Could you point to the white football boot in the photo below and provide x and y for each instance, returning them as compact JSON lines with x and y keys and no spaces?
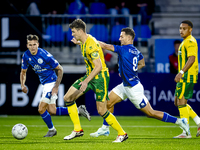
{"x":104,"y":130}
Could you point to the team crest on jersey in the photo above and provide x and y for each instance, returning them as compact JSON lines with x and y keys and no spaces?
{"x":40,"y":61}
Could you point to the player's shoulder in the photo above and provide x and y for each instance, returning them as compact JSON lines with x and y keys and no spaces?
{"x":190,"y":40}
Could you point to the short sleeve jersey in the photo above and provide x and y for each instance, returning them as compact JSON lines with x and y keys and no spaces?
{"x":128,"y":57}
{"x":91,"y":50}
{"x":188,"y":48}
{"x":43,"y":63}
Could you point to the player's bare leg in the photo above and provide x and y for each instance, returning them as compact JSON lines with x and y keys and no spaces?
{"x":47,"y":119}
{"x":70,"y":97}
{"x":104,"y":129}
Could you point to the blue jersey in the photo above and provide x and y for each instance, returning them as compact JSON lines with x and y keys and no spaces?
{"x":128,"y":58}
{"x":43,"y":63}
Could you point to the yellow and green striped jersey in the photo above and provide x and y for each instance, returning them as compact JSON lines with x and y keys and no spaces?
{"x":91,"y":50}
{"x":188,"y":48}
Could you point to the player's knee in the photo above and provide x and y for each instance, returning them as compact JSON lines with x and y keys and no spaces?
{"x":68,"y":98}
{"x":41,"y":110}
{"x":101,"y":112}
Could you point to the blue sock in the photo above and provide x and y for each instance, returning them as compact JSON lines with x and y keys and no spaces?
{"x":61,"y":111}
{"x":47,"y":119}
{"x":105,"y":123}
{"x":168,"y":118}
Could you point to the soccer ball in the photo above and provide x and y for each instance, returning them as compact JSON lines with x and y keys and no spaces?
{"x":19,"y":131}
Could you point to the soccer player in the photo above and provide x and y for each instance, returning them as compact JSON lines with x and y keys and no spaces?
{"x":44,"y":65}
{"x":96,"y":79}
{"x":187,"y":75}
{"x":130,"y":61}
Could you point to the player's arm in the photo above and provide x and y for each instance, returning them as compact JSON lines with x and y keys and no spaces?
{"x":141,"y":64}
{"x":109,"y":47}
{"x":95,"y":71}
{"x":189,"y":63}
{"x":23,"y":80}
{"x":59,"y":70}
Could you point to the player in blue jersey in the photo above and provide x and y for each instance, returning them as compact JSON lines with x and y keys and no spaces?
{"x":130,"y":61}
{"x":45,"y":65}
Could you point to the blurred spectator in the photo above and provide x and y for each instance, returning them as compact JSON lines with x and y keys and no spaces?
{"x":111,"y":60}
{"x":173,"y":58}
{"x":33,"y":8}
{"x":145,"y":8}
{"x":77,"y":7}
{"x":119,"y":7}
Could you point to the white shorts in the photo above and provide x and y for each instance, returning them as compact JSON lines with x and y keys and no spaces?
{"x":46,"y":94}
{"x":135,"y":94}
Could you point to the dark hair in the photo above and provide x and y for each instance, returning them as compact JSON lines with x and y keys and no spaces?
{"x":129,"y":31}
{"x":78,"y":24}
{"x":188,"y":22}
{"x":177,"y":42}
{"x":31,"y":37}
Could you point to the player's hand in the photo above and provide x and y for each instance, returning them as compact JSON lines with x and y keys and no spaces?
{"x":54,"y":91}
{"x":83,"y":86}
{"x":178,"y":77}
{"x":75,"y":41}
{"x":25,"y":89}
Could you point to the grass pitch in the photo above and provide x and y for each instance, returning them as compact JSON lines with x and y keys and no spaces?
{"x":144,"y":134}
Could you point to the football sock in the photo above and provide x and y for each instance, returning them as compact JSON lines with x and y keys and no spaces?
{"x":184,"y":112}
{"x":47,"y":119}
{"x":112,"y":121}
{"x":191,"y":111}
{"x":193,"y":115}
{"x":73,"y":113}
{"x":105,"y":123}
{"x":168,"y":118}
{"x":61,"y":111}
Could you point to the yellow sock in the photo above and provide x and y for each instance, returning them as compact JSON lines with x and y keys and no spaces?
{"x":73,"y":113}
{"x":112,"y":121}
{"x":191,"y":112}
{"x":184,"y":112}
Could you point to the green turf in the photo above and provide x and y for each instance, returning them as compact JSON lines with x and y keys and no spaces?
{"x":144,"y":133}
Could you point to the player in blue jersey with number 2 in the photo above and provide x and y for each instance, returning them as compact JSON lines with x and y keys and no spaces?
{"x":130,"y":61}
{"x":44,"y":65}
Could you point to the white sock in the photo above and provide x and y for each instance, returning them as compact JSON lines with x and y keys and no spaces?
{"x":52,"y":128}
{"x":196,"y":120}
{"x":104,"y":126}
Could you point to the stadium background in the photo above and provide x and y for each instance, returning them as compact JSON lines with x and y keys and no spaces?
{"x":154,"y":39}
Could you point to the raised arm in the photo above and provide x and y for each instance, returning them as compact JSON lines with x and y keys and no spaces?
{"x":109,"y":47}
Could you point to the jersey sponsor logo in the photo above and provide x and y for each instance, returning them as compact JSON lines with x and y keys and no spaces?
{"x":37,"y":67}
{"x":40,"y":61}
{"x":99,"y":91}
{"x":133,"y":51}
{"x":29,"y":59}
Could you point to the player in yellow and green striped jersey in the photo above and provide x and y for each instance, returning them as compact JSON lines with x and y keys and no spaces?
{"x":96,"y":79}
{"x":187,"y":76}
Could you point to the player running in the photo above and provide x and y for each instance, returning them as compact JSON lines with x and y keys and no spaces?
{"x":130,"y":61}
{"x":96,"y":79}
{"x":44,"y":65}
